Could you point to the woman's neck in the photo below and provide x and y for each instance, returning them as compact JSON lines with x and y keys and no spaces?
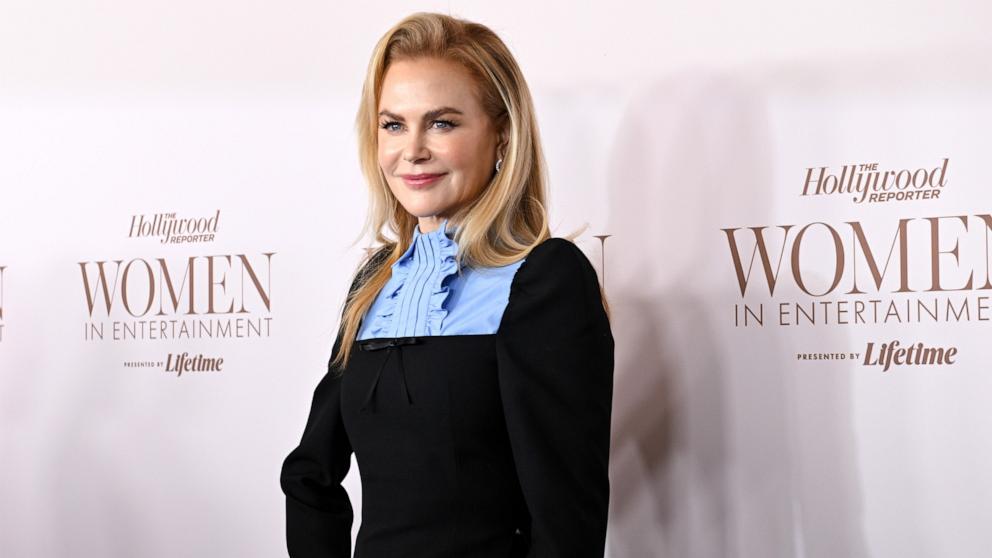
{"x":432,"y":223}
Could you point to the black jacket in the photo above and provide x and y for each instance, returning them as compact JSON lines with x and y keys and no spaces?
{"x":474,"y":446}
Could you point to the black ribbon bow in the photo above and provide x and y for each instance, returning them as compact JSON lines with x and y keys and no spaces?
{"x":376,"y":344}
{"x":390,"y":344}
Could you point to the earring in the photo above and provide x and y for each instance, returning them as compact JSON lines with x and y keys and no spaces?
{"x":499,"y":164}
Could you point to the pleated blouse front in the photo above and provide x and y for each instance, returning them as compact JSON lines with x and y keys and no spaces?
{"x":428,"y":294}
{"x":490,"y":442}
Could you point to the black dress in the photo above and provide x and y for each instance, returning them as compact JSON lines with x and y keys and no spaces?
{"x":481,"y":446}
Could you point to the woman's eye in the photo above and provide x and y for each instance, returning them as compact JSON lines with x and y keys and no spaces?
{"x":438,"y":124}
{"x":447,"y":124}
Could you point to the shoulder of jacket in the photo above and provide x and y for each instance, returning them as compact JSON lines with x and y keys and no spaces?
{"x":556,"y":282}
{"x":556,"y":263}
{"x":559,"y":252}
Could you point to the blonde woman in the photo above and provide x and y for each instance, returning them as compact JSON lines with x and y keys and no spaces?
{"x":472,"y":374}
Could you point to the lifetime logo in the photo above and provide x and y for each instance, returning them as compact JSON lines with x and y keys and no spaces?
{"x":866,"y":183}
{"x":914,"y":355}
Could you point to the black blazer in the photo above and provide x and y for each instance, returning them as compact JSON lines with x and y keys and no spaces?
{"x":477,"y":446}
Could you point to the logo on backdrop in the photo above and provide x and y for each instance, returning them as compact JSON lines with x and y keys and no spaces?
{"x":2,"y":270}
{"x":172,"y":298}
{"x":867,"y":183}
{"x":911,"y":270}
{"x":171,"y":229}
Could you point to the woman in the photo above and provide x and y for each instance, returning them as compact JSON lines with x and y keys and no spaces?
{"x":472,"y":374}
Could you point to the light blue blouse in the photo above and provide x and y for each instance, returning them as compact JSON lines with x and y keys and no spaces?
{"x":427,"y":296}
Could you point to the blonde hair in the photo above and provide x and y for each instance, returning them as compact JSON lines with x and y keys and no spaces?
{"x":509,"y":217}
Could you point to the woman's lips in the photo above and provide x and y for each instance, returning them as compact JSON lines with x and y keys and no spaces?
{"x":421,"y":180}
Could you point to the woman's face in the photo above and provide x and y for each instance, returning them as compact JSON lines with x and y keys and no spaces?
{"x":437,"y":147}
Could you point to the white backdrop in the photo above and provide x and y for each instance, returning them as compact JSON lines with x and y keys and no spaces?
{"x":663,"y":125}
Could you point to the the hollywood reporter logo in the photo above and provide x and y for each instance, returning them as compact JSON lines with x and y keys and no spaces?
{"x":173,"y":229}
{"x":865,"y":182}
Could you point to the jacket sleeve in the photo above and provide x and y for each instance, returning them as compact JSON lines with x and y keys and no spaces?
{"x":555,"y":359}
{"x":318,"y":510}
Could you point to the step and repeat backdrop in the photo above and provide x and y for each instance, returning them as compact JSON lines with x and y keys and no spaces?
{"x":791,"y":218}
{"x":803,"y":284}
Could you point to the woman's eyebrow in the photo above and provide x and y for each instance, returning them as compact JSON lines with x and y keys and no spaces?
{"x":429,"y":115}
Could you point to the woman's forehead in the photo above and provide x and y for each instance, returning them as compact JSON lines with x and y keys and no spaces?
{"x":422,"y":85}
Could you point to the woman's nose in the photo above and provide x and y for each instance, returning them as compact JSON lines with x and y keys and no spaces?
{"x":416,"y":148}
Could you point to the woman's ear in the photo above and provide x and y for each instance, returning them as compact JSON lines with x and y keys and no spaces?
{"x":503,"y":143}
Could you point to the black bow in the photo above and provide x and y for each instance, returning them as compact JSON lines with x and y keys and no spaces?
{"x":390,"y":343}
{"x":375,"y":344}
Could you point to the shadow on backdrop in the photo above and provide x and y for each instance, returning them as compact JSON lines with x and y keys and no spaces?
{"x":722,"y":445}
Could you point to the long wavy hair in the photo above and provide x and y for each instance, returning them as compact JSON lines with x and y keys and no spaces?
{"x":509,"y":217}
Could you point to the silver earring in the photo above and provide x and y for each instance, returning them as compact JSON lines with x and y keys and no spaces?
{"x":499,"y":164}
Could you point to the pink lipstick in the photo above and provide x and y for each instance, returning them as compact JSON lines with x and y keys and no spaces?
{"x":421,"y":180}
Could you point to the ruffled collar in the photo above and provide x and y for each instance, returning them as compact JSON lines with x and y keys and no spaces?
{"x":437,"y":245}
{"x":442,"y":232}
